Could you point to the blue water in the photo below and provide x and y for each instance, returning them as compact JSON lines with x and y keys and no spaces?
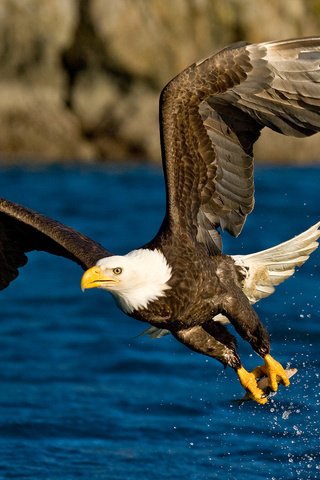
{"x":82,"y":396}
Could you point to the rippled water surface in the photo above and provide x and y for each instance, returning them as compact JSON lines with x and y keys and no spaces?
{"x":83,"y":396}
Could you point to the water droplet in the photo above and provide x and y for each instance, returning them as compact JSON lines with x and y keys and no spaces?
{"x":286,"y":414}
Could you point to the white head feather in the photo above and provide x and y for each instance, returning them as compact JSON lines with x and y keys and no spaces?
{"x":142,"y":276}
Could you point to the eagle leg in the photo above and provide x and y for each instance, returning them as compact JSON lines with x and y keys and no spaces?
{"x":274,"y":371}
{"x":249,"y":381}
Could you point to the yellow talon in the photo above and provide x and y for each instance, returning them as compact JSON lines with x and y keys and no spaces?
{"x":249,"y":382}
{"x":275,"y":372}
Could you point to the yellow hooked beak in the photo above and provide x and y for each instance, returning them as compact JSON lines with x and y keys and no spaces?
{"x":95,"y":278}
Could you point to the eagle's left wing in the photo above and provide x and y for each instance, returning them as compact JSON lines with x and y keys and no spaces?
{"x":211,"y":115}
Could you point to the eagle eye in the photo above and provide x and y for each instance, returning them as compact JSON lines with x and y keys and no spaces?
{"x":117,"y":270}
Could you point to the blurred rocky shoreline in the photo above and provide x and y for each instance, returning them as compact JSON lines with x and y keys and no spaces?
{"x":80,"y":79}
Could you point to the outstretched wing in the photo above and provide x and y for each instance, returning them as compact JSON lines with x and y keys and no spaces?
{"x":211,"y":115}
{"x":23,"y":230}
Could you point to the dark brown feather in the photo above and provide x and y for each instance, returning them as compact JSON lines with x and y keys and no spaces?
{"x":211,"y":115}
{"x":23,"y":230}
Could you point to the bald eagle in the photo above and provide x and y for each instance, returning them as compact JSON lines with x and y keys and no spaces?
{"x":180,"y":282}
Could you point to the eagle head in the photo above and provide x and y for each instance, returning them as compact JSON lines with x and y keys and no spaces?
{"x":134,"y":279}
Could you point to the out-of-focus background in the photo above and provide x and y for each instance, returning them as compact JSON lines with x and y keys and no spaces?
{"x":80,"y":79}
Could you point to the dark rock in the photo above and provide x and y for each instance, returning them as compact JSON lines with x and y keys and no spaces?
{"x":81,"y":79}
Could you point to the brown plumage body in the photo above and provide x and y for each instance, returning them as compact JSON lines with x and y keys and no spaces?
{"x":203,"y":286}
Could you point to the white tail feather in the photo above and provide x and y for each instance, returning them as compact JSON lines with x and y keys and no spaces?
{"x":265,"y":270}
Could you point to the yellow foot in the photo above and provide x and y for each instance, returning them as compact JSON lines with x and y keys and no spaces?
{"x":274,"y":371}
{"x":249,"y":382}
